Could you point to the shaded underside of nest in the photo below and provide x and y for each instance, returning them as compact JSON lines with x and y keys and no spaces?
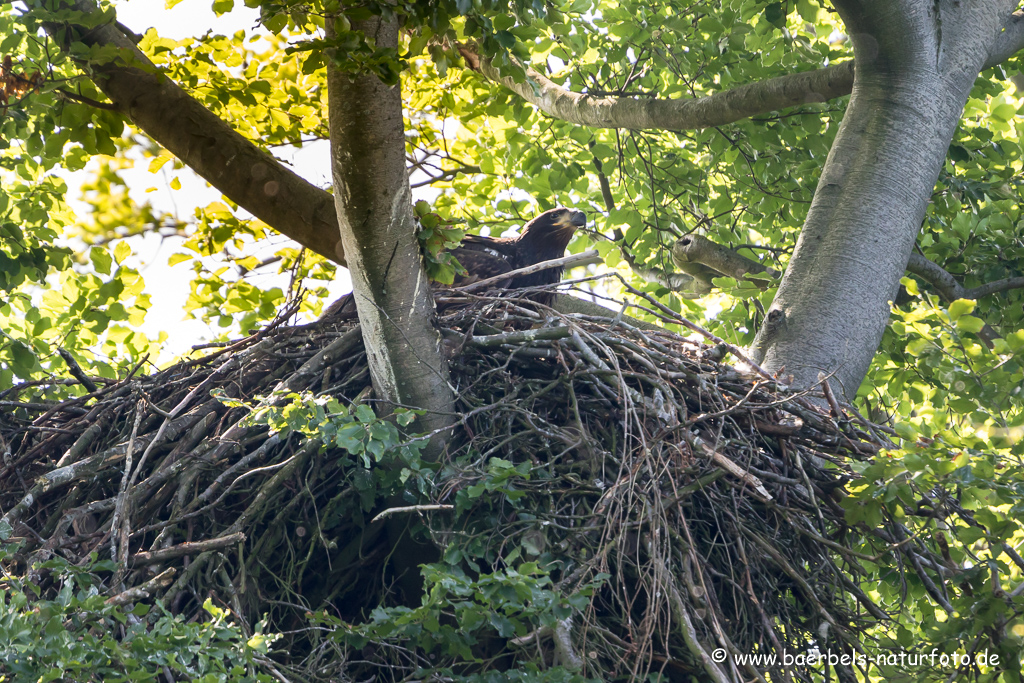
{"x":709,"y":497}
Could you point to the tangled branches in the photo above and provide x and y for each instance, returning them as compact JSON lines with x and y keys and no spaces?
{"x":693,"y":507}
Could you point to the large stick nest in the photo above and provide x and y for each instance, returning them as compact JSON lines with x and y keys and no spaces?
{"x":709,"y":496}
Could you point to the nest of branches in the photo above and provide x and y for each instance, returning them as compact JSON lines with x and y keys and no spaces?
{"x":700,"y":503}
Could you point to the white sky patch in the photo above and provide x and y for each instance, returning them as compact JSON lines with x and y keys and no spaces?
{"x":168,"y":286}
{"x":188,"y":19}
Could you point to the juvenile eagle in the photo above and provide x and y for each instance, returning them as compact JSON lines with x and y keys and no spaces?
{"x":544,"y":238}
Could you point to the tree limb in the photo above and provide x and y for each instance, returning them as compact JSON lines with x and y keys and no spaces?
{"x":378,"y":229}
{"x":937,"y":276}
{"x":1009,"y":41}
{"x":689,"y":114}
{"x":951,"y":290}
{"x":243,"y":172}
{"x":995,"y":287}
{"x":722,"y":108}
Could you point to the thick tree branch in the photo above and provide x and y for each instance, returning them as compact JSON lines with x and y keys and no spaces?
{"x":647,"y":113}
{"x":378,"y":230}
{"x":719,"y":109}
{"x":995,"y":287}
{"x":203,"y":141}
{"x":951,"y":290}
{"x":1009,"y":41}
{"x":937,"y":276}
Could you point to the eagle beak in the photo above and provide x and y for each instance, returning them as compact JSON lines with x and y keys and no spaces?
{"x":578,"y":219}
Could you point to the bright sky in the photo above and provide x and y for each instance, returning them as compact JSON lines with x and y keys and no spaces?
{"x":168,"y":286}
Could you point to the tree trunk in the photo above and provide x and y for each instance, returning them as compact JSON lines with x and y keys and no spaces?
{"x":378,"y":235}
{"x":915,"y":65}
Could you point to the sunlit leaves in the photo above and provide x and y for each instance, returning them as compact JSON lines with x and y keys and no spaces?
{"x":77,"y":635}
{"x":952,"y":393}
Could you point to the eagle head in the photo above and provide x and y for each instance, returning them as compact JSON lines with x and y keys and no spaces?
{"x":550,"y":232}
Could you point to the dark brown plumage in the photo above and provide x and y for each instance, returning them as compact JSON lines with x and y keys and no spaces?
{"x":542,"y":239}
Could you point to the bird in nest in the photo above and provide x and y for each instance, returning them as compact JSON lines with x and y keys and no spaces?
{"x":542,"y":239}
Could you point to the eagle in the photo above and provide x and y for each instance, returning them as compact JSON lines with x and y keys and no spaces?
{"x":542,"y":239}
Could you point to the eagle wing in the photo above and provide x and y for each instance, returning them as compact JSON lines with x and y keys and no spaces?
{"x":505,"y":247}
{"x":480,"y":263}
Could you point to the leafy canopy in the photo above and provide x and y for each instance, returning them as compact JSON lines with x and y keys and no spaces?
{"x":487,"y":161}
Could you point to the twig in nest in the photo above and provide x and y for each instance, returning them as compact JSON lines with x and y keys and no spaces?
{"x":182,"y":549}
{"x":76,"y":370}
{"x":410,"y":508}
{"x":145,"y":591}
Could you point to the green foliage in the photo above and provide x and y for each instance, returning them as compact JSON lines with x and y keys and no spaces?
{"x":459,"y":611}
{"x":78,"y":636}
{"x":437,"y":236}
{"x":956,"y":483}
{"x":385,"y":462}
{"x":67,"y":277}
{"x":357,"y":429}
{"x":467,"y":610}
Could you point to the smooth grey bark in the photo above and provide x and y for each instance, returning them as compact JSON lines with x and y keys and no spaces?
{"x":719,"y":109}
{"x":915,"y":65}
{"x":948,"y":287}
{"x":378,"y":235}
{"x":683,"y":114}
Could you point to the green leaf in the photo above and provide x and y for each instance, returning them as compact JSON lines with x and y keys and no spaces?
{"x":503,"y":22}
{"x":101,"y":260}
{"x":808,"y":10}
{"x":911,"y":285}
{"x":969,"y":323}
{"x":121,"y":251}
{"x":960,"y":307}
{"x":906,"y":431}
{"x":1004,"y":112}
{"x":775,"y":15}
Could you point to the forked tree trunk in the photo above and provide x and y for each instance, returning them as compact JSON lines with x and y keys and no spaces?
{"x":915,"y":65}
{"x":378,"y":235}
